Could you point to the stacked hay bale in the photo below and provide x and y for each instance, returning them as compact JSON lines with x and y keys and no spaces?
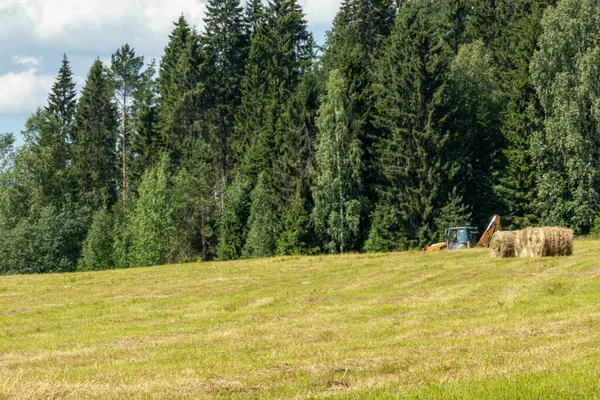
{"x":533,"y":242}
{"x":544,"y":242}
{"x":503,"y":244}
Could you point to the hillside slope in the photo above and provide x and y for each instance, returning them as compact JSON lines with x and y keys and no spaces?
{"x":414,"y":325}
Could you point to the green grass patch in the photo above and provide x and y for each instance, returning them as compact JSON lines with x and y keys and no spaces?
{"x":451,"y":325}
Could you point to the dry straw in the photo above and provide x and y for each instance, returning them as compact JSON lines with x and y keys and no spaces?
{"x":544,"y":242}
{"x":503,"y":244}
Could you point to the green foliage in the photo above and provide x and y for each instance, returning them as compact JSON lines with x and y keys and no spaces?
{"x":184,"y":126}
{"x":263,"y":223}
{"x":595,"y":231}
{"x":473,"y":123}
{"x":95,"y":161}
{"x":226,"y":46}
{"x":122,"y":233}
{"x":15,"y":195}
{"x":131,"y":84}
{"x":196,"y":209}
{"x":151,"y":226}
{"x":98,"y":247}
{"x":413,"y":117}
{"x":179,"y":40}
{"x":337,"y":190}
{"x":354,"y":44}
{"x":62,"y":100}
{"x":385,"y":232}
{"x":45,"y":159}
{"x":565,"y":152}
{"x":454,"y":214}
{"x":254,"y":15}
{"x":281,"y":50}
{"x":295,"y":238}
{"x":47,"y":242}
{"x":299,"y":131}
{"x":412,"y":107}
{"x":145,"y":146}
{"x":511,"y":31}
{"x":180,"y":104}
{"x":232,"y":222}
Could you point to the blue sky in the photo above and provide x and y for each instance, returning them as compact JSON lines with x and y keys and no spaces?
{"x":34,"y":34}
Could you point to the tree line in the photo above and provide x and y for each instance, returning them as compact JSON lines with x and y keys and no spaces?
{"x":247,"y":139}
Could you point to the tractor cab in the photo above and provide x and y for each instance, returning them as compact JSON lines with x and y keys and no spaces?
{"x":461,"y":238}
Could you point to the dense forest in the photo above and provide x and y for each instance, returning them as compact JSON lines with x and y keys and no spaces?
{"x":247,"y":139}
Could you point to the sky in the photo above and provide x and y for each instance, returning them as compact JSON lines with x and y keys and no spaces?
{"x":34,"y":35}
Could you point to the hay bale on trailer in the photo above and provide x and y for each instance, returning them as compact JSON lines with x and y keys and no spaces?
{"x":503,"y":244}
{"x":544,"y":242}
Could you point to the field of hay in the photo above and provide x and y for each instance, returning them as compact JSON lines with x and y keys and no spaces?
{"x":411,"y":325}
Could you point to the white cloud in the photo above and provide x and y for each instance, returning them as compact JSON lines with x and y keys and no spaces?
{"x":320,"y":12}
{"x":93,"y":25}
{"x":30,"y":62}
{"x":85,"y":29}
{"x":24,"y":91}
{"x":104,"y":25}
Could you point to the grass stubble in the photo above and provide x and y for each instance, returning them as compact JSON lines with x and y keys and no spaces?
{"x":407,"y":325}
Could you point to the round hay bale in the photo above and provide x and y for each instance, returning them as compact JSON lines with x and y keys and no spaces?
{"x":544,"y":242}
{"x":503,"y":244}
{"x":522,"y":245}
{"x":559,"y":242}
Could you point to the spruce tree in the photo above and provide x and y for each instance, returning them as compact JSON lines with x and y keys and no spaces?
{"x":295,"y":238}
{"x":95,"y":160}
{"x":234,"y":218}
{"x":185,"y":124}
{"x":523,"y":113}
{"x":473,"y":124}
{"x":454,"y":214}
{"x":263,"y":222}
{"x":297,"y":124}
{"x":416,"y":167}
{"x":179,"y":40}
{"x":62,"y":99}
{"x":226,"y":47}
{"x":145,"y":146}
{"x":281,"y":52}
{"x":254,"y":16}
{"x":178,"y":76}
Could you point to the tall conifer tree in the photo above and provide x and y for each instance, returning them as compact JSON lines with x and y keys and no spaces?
{"x":254,"y":15}
{"x":226,"y":46}
{"x":95,"y":158}
{"x":280,"y":54}
{"x":130,"y":85}
{"x":411,"y":109}
{"x":178,"y":73}
{"x":62,"y":99}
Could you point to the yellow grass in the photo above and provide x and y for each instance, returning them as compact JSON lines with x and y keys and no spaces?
{"x":411,"y":325}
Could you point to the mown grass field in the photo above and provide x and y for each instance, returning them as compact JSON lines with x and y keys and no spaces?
{"x":412,"y":325}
